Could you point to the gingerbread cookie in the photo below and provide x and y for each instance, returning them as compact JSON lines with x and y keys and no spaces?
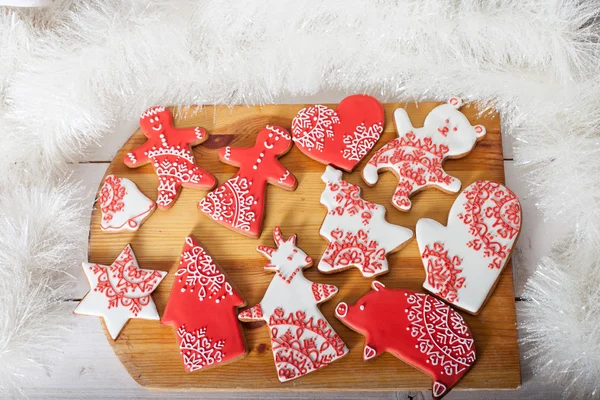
{"x":340,"y":137}
{"x":120,"y":291}
{"x":122,"y":204}
{"x":416,"y":156}
{"x":169,"y":150}
{"x":239,"y":203}
{"x":415,"y":327}
{"x":463,"y":260}
{"x":356,"y":229}
{"x":202,"y":309}
{"x":301,"y":338}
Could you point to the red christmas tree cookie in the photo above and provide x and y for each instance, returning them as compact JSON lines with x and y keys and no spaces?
{"x":415,"y":327}
{"x":202,"y":309}
{"x":301,"y":338}
{"x":169,"y":150}
{"x":239,"y":203}
{"x":340,"y":137}
{"x":120,"y":291}
{"x":417,"y":155}
{"x":464,"y":260}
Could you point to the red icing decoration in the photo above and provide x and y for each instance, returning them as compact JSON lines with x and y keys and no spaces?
{"x":239,"y":203}
{"x":491,"y":211}
{"x":419,"y":163}
{"x":415,"y":327}
{"x":169,"y":150}
{"x":203,"y":310}
{"x":342,"y":137}
{"x":354,"y":249}
{"x":111,"y":197}
{"x":443,"y":271}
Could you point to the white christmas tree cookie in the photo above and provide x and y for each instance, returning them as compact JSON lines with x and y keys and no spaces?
{"x":416,"y":156}
{"x":120,"y":291}
{"x":358,"y":234}
{"x":122,"y":204}
{"x":464,"y":260}
{"x":302,"y":339}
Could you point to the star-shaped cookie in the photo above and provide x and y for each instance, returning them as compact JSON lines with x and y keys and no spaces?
{"x":120,"y":291}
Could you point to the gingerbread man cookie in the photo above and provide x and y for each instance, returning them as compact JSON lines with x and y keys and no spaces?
{"x":415,"y":327}
{"x":202,"y":309}
{"x":122,"y":204}
{"x":356,"y":229}
{"x":340,"y":137}
{"x":463,"y":260}
{"x":169,"y":150}
{"x":120,"y":291}
{"x":417,"y":155}
{"x":301,"y":338}
{"x":239,"y":203}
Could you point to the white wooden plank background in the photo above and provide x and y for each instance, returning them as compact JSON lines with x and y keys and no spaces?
{"x":90,"y":369}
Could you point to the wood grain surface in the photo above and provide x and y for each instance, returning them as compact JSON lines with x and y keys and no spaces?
{"x":149,"y":351}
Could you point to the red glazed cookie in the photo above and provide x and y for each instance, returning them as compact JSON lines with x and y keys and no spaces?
{"x":302,"y":339}
{"x":340,"y":137}
{"x":169,"y":150}
{"x":415,"y":327}
{"x":239,"y":203}
{"x":202,"y":309}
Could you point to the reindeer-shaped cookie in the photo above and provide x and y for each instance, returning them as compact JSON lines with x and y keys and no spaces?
{"x":302,"y":339}
{"x":168,"y":149}
{"x":239,"y":203}
{"x":416,"y":156}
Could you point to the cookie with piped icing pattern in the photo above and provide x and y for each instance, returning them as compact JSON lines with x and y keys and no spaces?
{"x":122,"y":204}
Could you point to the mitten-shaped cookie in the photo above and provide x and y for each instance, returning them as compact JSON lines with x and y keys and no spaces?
{"x":416,"y":156}
{"x":415,"y":327}
{"x":169,"y":150}
{"x":463,"y":260}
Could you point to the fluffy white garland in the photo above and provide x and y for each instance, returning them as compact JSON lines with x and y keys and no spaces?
{"x":75,"y":70}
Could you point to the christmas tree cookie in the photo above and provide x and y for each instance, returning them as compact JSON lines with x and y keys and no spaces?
{"x":120,"y":291}
{"x":358,"y":234}
{"x":239,"y":203}
{"x":464,"y":259}
{"x":122,"y":204}
{"x":202,"y":309}
{"x":417,"y":155}
{"x":301,"y":338}
{"x":417,"y":328}
{"x":169,"y":150}
{"x":340,"y":137}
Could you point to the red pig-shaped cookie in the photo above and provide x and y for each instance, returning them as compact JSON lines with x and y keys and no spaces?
{"x":415,"y":327}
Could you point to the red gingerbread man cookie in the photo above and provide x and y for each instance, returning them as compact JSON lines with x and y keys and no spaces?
{"x":415,"y":327}
{"x":239,"y":203}
{"x":169,"y":150}
{"x":202,"y":309}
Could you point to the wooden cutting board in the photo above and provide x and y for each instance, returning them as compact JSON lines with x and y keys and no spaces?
{"x":149,"y":351}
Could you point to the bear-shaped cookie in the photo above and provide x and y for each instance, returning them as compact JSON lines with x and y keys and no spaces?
{"x":417,"y":155}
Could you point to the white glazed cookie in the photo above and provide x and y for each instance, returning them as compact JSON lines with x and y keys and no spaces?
{"x":120,"y":291}
{"x":122,"y":204}
{"x":356,"y":229}
{"x":302,"y":339}
{"x":464,"y":260}
{"x":416,"y":156}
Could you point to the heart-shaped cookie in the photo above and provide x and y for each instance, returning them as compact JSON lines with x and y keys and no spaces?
{"x":464,"y":260}
{"x":340,"y":137}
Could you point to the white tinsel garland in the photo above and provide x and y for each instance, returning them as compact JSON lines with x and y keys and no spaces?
{"x":538,"y":61}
